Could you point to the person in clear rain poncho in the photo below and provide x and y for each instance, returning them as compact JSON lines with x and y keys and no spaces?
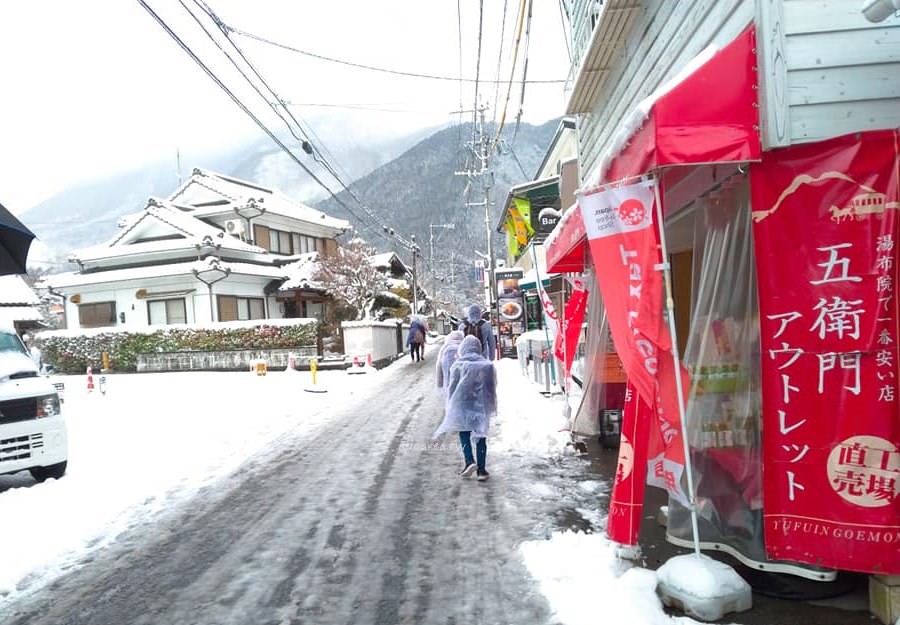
{"x":446,"y":357}
{"x":471,"y":402}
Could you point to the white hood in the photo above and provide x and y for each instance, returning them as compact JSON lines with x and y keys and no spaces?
{"x":15,"y":362}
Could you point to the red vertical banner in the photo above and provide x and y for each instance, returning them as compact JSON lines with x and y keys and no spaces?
{"x":624,"y":244}
{"x":567,"y":340}
{"x":827,"y":235}
{"x":627,"y":499}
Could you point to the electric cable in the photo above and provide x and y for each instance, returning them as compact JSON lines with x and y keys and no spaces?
{"x":562,"y":22}
{"x":321,"y":57}
{"x":244,"y":108}
{"x":524,"y":69}
{"x":511,"y":74}
{"x":314,"y":150}
{"x":500,"y":57}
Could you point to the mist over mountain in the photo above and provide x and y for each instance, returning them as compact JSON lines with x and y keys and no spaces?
{"x":421,"y":188}
{"x":408,"y":182}
{"x":88,"y":214}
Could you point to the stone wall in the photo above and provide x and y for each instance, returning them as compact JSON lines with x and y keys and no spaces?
{"x":226,"y":360}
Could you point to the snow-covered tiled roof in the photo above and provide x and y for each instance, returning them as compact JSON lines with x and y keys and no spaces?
{"x":386,"y":260}
{"x":71,"y":279}
{"x":300,"y":273}
{"x":229,"y":192}
{"x":192,"y":229}
{"x":10,"y":314}
{"x":15,"y":291}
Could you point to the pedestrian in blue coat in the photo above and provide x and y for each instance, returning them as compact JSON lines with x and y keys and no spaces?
{"x":416,"y":338}
{"x":474,"y":325}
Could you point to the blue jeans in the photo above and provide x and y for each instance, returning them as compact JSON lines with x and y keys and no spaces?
{"x":465,"y":440}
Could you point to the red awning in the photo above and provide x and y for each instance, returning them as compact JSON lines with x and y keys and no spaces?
{"x":708,"y":115}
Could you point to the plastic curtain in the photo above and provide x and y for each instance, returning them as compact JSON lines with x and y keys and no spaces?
{"x":722,"y":355}
{"x":590,"y":368}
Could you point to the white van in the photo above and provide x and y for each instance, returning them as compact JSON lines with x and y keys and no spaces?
{"x":32,"y":430}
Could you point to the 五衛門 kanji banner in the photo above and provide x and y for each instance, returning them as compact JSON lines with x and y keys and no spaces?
{"x":827,"y":235}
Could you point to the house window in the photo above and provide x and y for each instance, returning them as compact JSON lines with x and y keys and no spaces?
{"x":284,"y":242}
{"x":308,"y":244}
{"x":274,"y":246}
{"x":315,"y":310}
{"x":233,"y":308}
{"x":97,"y":315}
{"x":295,"y":241}
{"x":261,"y":236}
{"x":166,"y":311}
{"x":280,"y":242}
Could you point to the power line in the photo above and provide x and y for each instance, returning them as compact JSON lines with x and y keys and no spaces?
{"x":307,"y":146}
{"x":524,"y":69}
{"x":245,"y":109}
{"x":371,"y":67}
{"x":500,"y":57}
{"x":511,"y":73}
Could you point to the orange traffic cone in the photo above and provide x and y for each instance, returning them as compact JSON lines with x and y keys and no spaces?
{"x":90,"y":380}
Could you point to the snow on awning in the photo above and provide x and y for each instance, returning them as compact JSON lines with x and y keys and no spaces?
{"x":706,"y":114}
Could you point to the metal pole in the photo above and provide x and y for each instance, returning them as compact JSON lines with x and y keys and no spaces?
{"x":415,"y":284}
{"x":540,"y":287}
{"x":676,"y":360}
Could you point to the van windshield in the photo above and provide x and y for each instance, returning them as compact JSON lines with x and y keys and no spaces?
{"x":10,"y":342}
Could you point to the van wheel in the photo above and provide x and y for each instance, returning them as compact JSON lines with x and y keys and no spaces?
{"x":54,"y":471}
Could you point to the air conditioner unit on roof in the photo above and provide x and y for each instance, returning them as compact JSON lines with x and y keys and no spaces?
{"x":235,"y":227}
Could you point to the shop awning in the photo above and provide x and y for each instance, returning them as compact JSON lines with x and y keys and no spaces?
{"x":706,"y":114}
{"x":529,"y":280}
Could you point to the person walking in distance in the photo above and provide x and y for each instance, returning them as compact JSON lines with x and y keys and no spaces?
{"x":471,"y":403}
{"x":474,"y":325}
{"x":416,"y":338}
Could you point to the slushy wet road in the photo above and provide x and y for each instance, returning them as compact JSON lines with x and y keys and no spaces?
{"x":362,"y":522}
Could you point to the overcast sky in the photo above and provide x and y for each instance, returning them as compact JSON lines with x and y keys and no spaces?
{"x":95,"y":87}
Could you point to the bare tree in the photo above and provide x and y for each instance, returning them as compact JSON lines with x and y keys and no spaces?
{"x":350,"y":277}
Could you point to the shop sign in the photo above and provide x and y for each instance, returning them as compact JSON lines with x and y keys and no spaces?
{"x":827,"y":235}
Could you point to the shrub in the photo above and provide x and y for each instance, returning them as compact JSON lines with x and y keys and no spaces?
{"x":73,"y":353}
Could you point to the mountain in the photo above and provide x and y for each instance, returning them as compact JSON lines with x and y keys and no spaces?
{"x":421,"y":188}
{"x":409,"y":183}
{"x":88,"y":214}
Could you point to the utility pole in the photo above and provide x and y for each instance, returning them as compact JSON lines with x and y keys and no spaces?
{"x":434,"y":287}
{"x":481,"y":146}
{"x":415,"y":284}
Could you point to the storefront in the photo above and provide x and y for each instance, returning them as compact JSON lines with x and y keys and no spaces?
{"x":781,"y":272}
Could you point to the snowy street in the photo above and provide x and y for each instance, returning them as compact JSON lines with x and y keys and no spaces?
{"x":231,"y":498}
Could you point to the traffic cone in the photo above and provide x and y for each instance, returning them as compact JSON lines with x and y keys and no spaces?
{"x":90,"y":380}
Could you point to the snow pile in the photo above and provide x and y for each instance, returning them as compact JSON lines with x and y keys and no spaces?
{"x":581,"y":578}
{"x":530,"y":423}
{"x":700,"y":576}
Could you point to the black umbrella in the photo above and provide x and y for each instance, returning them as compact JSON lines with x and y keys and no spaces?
{"x":15,"y":239}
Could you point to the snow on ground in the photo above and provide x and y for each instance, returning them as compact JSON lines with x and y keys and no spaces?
{"x":154,"y":440}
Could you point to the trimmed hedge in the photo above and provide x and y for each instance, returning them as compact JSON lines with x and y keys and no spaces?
{"x":74,"y":353}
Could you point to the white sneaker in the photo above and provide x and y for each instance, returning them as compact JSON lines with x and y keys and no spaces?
{"x":468,"y":471}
